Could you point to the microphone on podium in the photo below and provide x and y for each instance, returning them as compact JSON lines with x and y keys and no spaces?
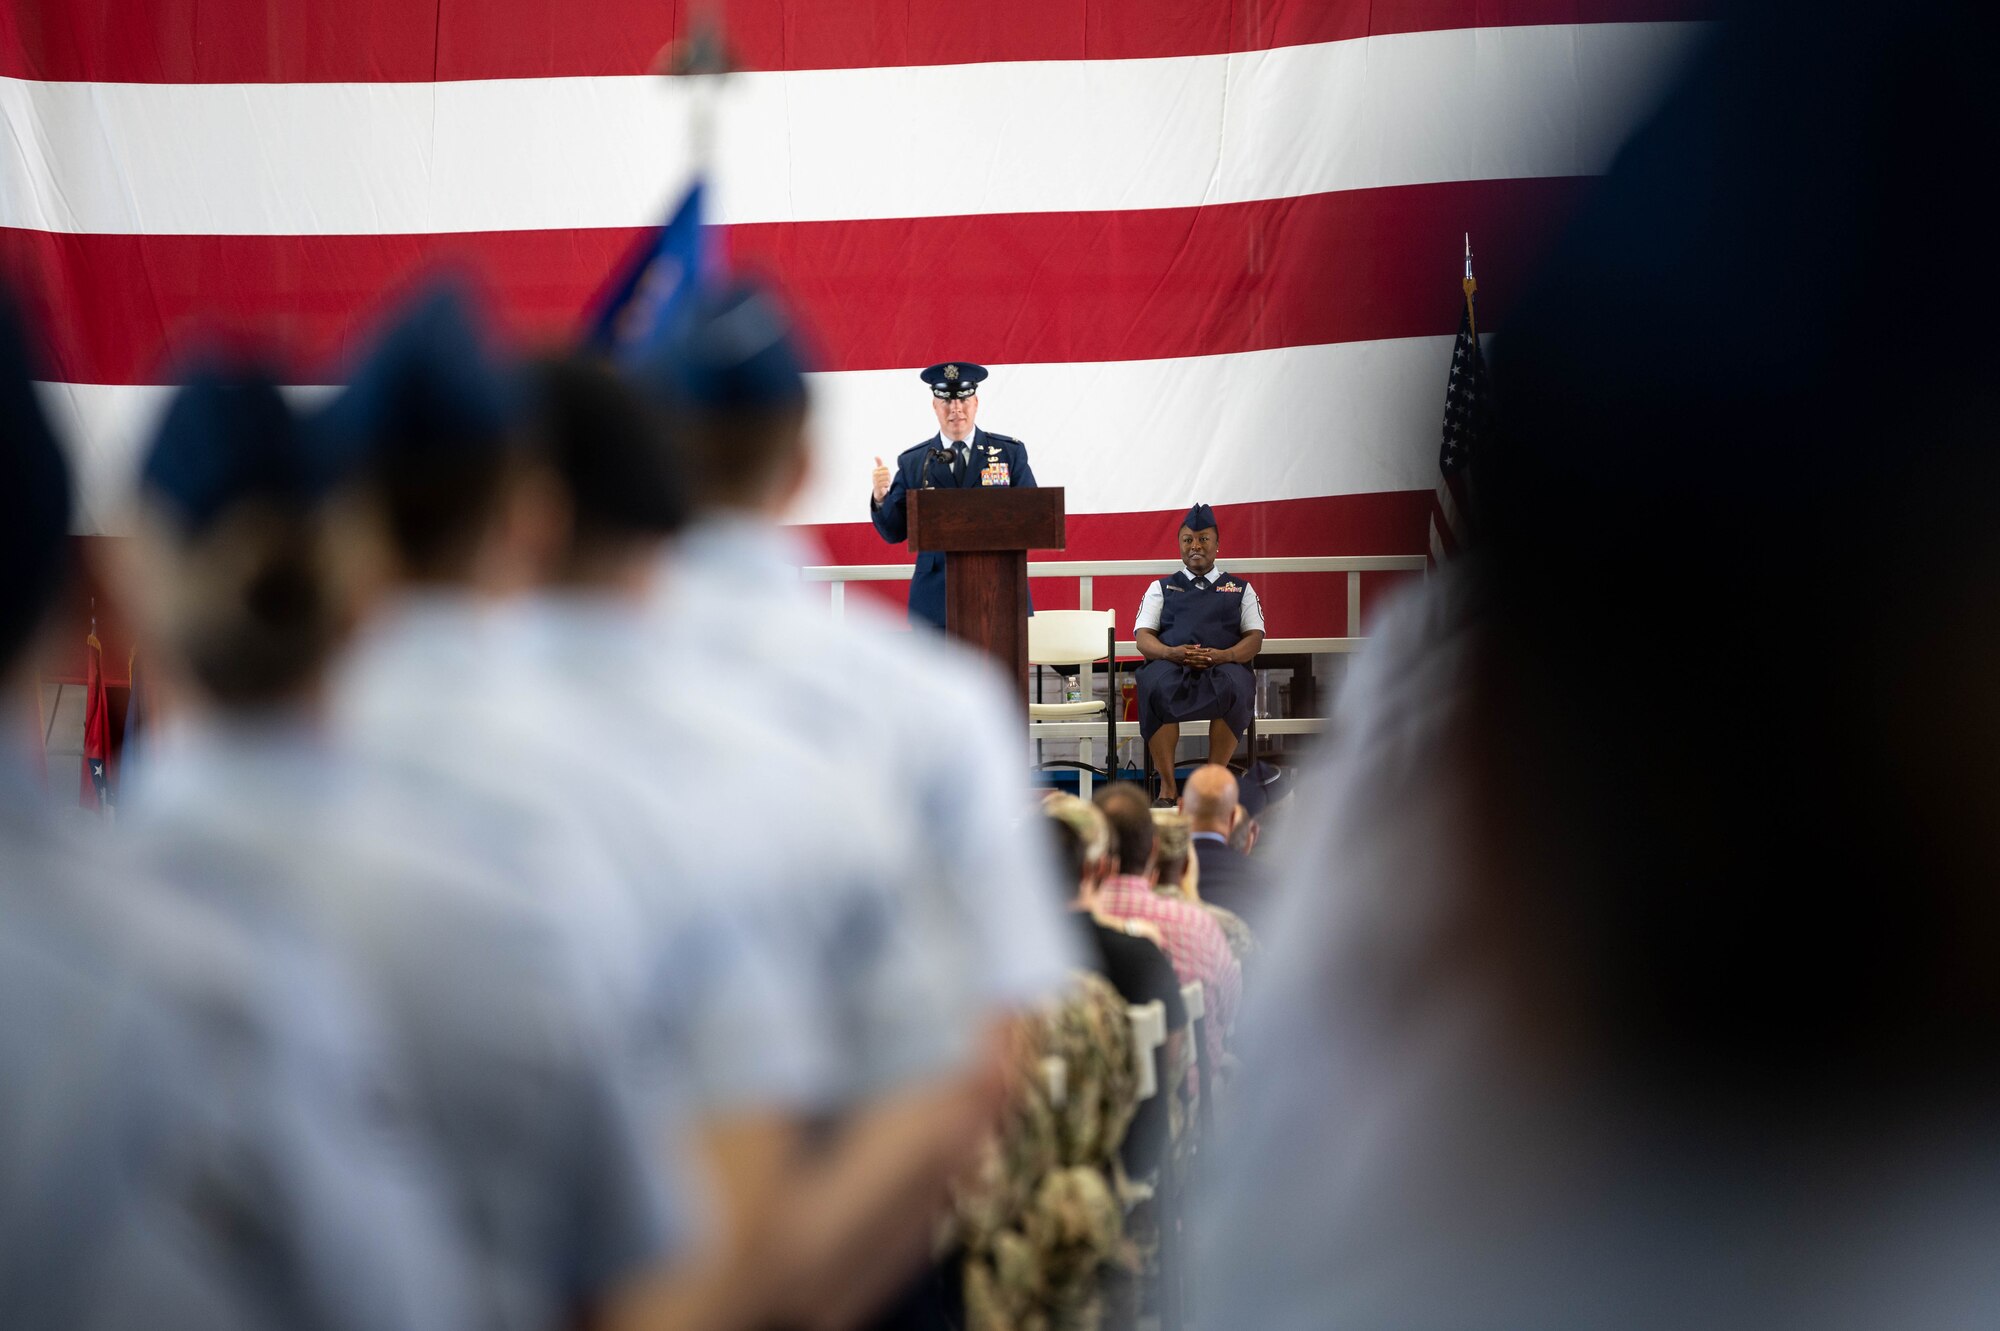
{"x":943,"y":455}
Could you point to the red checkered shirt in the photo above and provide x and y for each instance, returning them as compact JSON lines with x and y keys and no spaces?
{"x":1194,"y":943}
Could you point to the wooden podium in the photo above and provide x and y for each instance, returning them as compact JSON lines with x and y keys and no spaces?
{"x":986,"y":533}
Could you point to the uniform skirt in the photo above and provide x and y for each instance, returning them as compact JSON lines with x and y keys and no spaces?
{"x":1170,"y":694}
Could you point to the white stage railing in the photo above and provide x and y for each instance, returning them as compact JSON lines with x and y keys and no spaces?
{"x":1085,"y":571}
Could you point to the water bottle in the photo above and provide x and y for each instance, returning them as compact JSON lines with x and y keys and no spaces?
{"x":1072,"y":689}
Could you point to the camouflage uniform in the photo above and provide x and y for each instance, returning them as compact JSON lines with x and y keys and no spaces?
{"x":1040,"y":1220}
{"x":1243,"y":943}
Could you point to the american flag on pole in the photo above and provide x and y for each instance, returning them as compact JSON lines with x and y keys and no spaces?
{"x":1195,"y":242}
{"x":1468,"y":423}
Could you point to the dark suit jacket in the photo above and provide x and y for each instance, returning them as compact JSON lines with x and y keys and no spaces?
{"x":1232,"y":880}
{"x":892,"y":517}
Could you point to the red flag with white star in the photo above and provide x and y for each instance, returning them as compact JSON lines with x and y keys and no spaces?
{"x":94,"y":785}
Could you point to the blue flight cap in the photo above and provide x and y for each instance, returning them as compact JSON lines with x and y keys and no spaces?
{"x":1199,"y":518}
{"x":954,"y":378}
{"x":430,"y":389}
{"x":34,"y":501}
{"x":230,"y":435}
{"x":735,"y":350}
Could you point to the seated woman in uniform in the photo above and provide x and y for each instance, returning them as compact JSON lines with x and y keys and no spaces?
{"x":1198,"y":630}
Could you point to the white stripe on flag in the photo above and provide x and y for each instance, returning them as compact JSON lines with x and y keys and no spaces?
{"x":1054,"y":136}
{"x":1230,"y":428}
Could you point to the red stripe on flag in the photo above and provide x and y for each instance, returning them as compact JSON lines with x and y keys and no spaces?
{"x":1024,"y":288}
{"x":1444,"y":539}
{"x":371,"y":41}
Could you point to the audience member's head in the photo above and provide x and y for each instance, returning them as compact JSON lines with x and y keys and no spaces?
{"x":35,"y":502}
{"x":1209,"y":799}
{"x":609,"y":450}
{"x":1130,"y":814}
{"x":430,"y":424}
{"x":1082,"y":841}
{"x":234,"y":569}
{"x":1173,"y":853}
{"x":733,"y":377}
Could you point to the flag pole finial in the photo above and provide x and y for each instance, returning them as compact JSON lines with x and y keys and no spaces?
{"x":703,"y":57}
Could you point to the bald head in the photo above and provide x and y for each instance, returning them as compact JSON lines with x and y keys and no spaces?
{"x":1209,"y":798}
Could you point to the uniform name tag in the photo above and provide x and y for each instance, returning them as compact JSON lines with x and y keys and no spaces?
{"x":996,"y":474}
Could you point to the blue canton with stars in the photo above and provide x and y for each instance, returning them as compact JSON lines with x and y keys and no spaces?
{"x":1467,"y":400}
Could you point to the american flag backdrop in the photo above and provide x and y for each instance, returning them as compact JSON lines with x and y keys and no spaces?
{"x":1200,"y":242}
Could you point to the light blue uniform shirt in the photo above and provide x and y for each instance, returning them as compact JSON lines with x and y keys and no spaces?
{"x":184,"y":1142}
{"x":921,"y":724}
{"x":826,"y":877}
{"x":512,"y":1062}
{"x":441,"y":700}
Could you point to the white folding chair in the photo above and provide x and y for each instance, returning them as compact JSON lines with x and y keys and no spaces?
{"x":1078,"y":638}
{"x":1149,"y":1032}
{"x":1197,"y":1010}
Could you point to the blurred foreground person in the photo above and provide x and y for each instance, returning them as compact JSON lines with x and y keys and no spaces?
{"x":920,"y":728}
{"x":923,"y":720}
{"x":505,"y":1060}
{"x":850,"y":1206}
{"x":1634,"y":986}
{"x":452,"y":699}
{"x":187,"y":1139}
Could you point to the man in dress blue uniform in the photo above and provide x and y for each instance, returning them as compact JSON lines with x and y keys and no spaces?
{"x":1198,"y":630}
{"x":958,"y":456}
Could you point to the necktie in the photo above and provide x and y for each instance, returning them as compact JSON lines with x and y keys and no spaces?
{"x":958,"y":463}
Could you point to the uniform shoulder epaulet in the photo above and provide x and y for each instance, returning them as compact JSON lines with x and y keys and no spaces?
{"x":1002,"y":438}
{"x":912,"y":449}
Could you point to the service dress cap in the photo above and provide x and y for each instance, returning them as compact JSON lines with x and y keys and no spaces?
{"x":1199,"y":518}
{"x":954,"y":378}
